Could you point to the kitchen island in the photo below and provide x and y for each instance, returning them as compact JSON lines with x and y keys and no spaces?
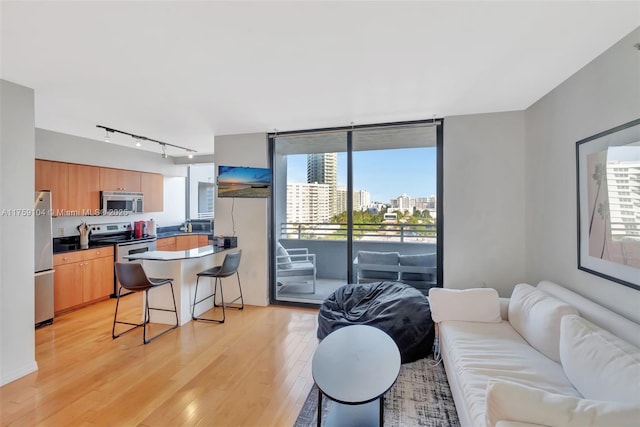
{"x":182,"y":267}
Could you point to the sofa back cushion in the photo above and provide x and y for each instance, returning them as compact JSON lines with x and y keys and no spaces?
{"x":422,"y":260}
{"x":470,"y":305}
{"x":382,"y":258}
{"x":599,"y":364}
{"x":536,"y":316}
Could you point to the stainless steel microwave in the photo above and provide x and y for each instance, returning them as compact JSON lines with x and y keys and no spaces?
{"x":121,"y":202}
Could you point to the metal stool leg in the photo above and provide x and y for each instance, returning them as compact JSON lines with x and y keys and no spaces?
{"x":213,"y":295}
{"x":148,"y":316}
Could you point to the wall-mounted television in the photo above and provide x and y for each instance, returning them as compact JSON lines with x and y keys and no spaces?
{"x":239,"y":181}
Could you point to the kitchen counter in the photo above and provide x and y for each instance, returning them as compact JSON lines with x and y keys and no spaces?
{"x":182,"y":267}
{"x":181,"y":233}
{"x":177,"y":255}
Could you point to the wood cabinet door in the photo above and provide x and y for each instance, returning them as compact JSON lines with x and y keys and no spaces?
{"x":119,"y":180}
{"x":166,"y":244}
{"x":68,"y":286}
{"x":152,"y":185}
{"x":184,"y":243}
{"x":53,"y":176}
{"x":84,"y":189}
{"x":98,"y":279}
{"x":203,"y":240}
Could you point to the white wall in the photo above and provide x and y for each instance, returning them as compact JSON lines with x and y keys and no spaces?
{"x":250,"y":215}
{"x":484,"y":216}
{"x":17,"y":336}
{"x":604,"y":94}
{"x":63,"y":147}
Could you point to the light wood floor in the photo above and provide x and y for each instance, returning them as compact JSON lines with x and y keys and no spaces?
{"x":253,"y":370}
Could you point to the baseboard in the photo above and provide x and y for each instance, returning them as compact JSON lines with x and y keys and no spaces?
{"x":15,"y":374}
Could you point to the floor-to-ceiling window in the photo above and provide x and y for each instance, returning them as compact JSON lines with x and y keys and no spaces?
{"x":339,"y":193}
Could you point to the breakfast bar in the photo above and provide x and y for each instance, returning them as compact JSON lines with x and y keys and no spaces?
{"x":182,"y":267}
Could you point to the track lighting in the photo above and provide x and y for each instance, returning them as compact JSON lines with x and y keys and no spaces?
{"x":139,"y":138}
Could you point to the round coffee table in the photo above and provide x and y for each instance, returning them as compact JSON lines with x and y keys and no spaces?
{"x":355,"y":366}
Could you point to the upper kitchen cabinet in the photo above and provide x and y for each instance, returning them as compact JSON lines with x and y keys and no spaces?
{"x":119,"y":180}
{"x":53,"y":176}
{"x":84,"y":187}
{"x":152,"y":185}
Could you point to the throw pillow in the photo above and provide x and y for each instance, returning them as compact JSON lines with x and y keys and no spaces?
{"x":283,"y":258}
{"x":383,"y":258}
{"x":536,"y":315}
{"x":471,"y":305}
{"x":516,"y":402}
{"x":599,"y":364}
{"x":423,"y":260}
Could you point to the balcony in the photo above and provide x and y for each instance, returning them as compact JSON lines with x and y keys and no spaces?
{"x":328,"y":242}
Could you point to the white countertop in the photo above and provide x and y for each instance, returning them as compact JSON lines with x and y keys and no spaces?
{"x":178,"y":255}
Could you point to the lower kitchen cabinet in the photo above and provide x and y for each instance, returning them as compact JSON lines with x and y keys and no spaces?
{"x":81,"y":278}
{"x":184,"y":243}
{"x":166,"y":244}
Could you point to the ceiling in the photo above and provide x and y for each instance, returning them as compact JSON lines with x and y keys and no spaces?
{"x":183,"y":72}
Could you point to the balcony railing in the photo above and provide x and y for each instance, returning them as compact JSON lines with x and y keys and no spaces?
{"x":404,"y":233}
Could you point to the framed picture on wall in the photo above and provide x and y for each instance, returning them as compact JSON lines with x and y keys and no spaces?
{"x":608,"y":181}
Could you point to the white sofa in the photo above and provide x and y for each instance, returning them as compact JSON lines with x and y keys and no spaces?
{"x":544,"y":357}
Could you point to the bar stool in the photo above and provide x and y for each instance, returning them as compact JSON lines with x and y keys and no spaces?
{"x":228,"y":268}
{"x":133,"y":278}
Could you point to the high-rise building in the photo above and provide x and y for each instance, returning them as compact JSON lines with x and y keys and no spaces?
{"x":623,"y":182}
{"x":361,"y":200}
{"x":308,"y":203}
{"x":322,"y":168}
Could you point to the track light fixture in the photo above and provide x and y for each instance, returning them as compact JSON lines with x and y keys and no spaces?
{"x":139,"y":140}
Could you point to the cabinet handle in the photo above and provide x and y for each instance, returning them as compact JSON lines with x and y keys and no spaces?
{"x":64,"y":258}
{"x":98,"y":253}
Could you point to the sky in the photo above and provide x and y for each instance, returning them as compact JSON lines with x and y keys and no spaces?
{"x":385,"y":174}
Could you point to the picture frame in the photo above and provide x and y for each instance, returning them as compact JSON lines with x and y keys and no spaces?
{"x":608,"y":200}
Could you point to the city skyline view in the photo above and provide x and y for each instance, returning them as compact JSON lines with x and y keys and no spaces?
{"x":385,"y":174}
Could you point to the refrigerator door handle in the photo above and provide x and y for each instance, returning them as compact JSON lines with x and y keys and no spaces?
{"x":44,"y":273}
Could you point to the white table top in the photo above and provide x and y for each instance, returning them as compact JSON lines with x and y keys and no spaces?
{"x":178,"y":255}
{"x":356,"y":364}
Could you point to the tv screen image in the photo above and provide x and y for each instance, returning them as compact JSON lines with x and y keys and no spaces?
{"x":238,"y":181}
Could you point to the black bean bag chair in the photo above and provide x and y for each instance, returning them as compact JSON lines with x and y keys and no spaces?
{"x":395,"y":308}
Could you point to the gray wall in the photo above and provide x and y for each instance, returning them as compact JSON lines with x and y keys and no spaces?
{"x":484,"y":215}
{"x":17,"y":337}
{"x":604,"y":94}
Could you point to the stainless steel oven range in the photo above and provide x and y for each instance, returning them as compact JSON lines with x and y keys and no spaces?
{"x":121,"y":236}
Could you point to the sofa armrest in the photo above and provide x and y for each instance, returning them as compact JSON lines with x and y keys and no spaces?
{"x":504,"y":308}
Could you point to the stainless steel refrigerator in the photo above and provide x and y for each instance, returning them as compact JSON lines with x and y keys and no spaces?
{"x":43,"y":259}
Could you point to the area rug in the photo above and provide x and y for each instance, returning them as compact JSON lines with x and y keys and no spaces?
{"x":420,"y":397}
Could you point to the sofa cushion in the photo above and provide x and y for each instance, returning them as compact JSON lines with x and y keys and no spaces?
{"x":536,"y":316}
{"x":385,"y":258}
{"x":586,"y":349}
{"x":284,"y":261}
{"x":473,"y":305}
{"x":475,"y":352}
{"x":516,"y":402}
{"x":423,"y":260}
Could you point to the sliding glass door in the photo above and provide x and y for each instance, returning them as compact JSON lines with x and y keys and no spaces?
{"x":339,"y":193}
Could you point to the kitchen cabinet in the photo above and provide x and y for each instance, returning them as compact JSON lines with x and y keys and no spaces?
{"x":203,"y":240}
{"x":119,"y":180}
{"x":82,"y":277}
{"x":53,"y":176}
{"x":84,"y":189}
{"x":152,"y":185}
{"x":166,"y":244}
{"x":187,"y":242}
